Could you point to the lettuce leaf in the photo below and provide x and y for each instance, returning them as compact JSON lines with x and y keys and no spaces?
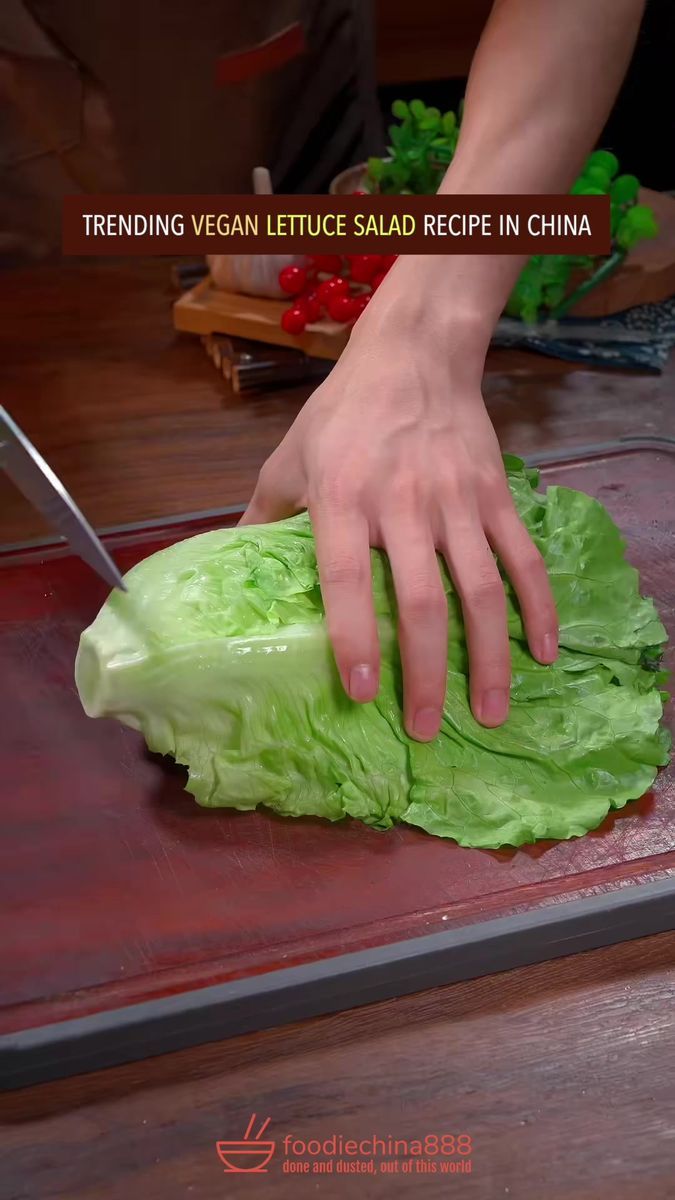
{"x":218,"y":654}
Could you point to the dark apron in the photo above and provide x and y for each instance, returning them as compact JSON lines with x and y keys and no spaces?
{"x":176,"y":96}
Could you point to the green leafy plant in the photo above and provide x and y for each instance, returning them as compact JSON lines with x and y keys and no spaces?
{"x":422,"y":145}
{"x":218,"y":652}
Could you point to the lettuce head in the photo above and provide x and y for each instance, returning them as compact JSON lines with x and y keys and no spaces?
{"x":218,"y":654}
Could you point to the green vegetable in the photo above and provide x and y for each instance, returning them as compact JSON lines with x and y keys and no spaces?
{"x":637,"y":223}
{"x":624,"y":190}
{"x":603,"y":160}
{"x":400,"y":109}
{"x":218,"y":652}
{"x":422,"y":147}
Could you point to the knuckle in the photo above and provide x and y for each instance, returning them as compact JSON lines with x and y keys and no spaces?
{"x":490,"y":668}
{"x":342,"y":569}
{"x":532,"y":562}
{"x":405,"y":492}
{"x":333,"y":491}
{"x":352,"y":641}
{"x":422,"y":600}
{"x":532,"y":573}
{"x":453,"y":492}
{"x":489,"y":674}
{"x":496,"y":503}
{"x":490,"y":478}
{"x":485,"y":593}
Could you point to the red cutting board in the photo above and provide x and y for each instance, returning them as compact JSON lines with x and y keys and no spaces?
{"x":115,"y":887}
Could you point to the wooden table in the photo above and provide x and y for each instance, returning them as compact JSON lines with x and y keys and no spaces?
{"x":562,"y":1073}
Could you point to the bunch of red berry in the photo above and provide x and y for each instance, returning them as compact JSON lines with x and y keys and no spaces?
{"x":332,"y":286}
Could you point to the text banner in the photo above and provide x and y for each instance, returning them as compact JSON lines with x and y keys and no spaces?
{"x":122,"y":225}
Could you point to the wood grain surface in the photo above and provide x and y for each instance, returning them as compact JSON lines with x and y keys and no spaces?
{"x":207,"y":309}
{"x":137,"y":423}
{"x":561,"y":1074}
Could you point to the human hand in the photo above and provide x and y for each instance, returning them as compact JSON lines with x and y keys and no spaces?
{"x":395,"y":449}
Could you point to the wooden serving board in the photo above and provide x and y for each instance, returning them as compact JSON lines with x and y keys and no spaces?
{"x":207,"y":309}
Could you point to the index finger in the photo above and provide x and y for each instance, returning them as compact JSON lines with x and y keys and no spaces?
{"x":343,"y":558}
{"x":272,"y":499}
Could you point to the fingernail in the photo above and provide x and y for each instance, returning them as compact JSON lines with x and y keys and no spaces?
{"x":494,"y":706}
{"x":549,"y":647}
{"x":362,"y":683}
{"x":426,"y":724}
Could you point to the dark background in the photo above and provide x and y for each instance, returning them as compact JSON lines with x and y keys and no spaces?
{"x":641,"y":128}
{"x":124,"y":104}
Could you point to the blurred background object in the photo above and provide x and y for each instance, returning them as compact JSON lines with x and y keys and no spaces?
{"x":252,"y":274}
{"x":130,"y":96}
{"x":126,"y":95}
{"x":425,"y":49}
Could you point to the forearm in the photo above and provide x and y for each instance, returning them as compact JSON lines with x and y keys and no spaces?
{"x":542,"y":83}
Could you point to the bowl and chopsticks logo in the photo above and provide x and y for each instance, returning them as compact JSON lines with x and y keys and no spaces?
{"x":251,"y":1154}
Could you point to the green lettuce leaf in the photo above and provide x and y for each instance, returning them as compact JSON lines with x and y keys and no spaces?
{"x":218,"y":653}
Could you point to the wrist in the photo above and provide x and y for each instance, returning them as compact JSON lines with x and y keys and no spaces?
{"x":425,"y":306}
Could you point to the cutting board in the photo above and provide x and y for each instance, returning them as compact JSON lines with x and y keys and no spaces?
{"x":115,"y":887}
{"x":207,"y":309}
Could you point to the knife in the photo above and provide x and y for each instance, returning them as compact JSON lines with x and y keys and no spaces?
{"x":35,"y":478}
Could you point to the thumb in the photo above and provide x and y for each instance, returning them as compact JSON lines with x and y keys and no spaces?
{"x":274,"y":497}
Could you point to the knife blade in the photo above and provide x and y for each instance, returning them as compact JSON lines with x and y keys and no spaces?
{"x":26,"y":467}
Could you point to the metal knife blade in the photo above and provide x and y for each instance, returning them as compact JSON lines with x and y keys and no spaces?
{"x":35,"y":478}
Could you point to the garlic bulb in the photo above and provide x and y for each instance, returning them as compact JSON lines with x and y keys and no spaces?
{"x":252,"y":274}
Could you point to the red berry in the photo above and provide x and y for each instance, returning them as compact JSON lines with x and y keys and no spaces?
{"x":336,"y":286}
{"x":310,"y":304}
{"x":388,"y":261}
{"x":294,"y":319}
{"x":361,"y":302}
{"x":342,"y":308}
{"x":377,"y":280}
{"x":330,"y":264}
{"x":292,"y":280}
{"x":364,"y":266}
{"x":359,"y":192}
